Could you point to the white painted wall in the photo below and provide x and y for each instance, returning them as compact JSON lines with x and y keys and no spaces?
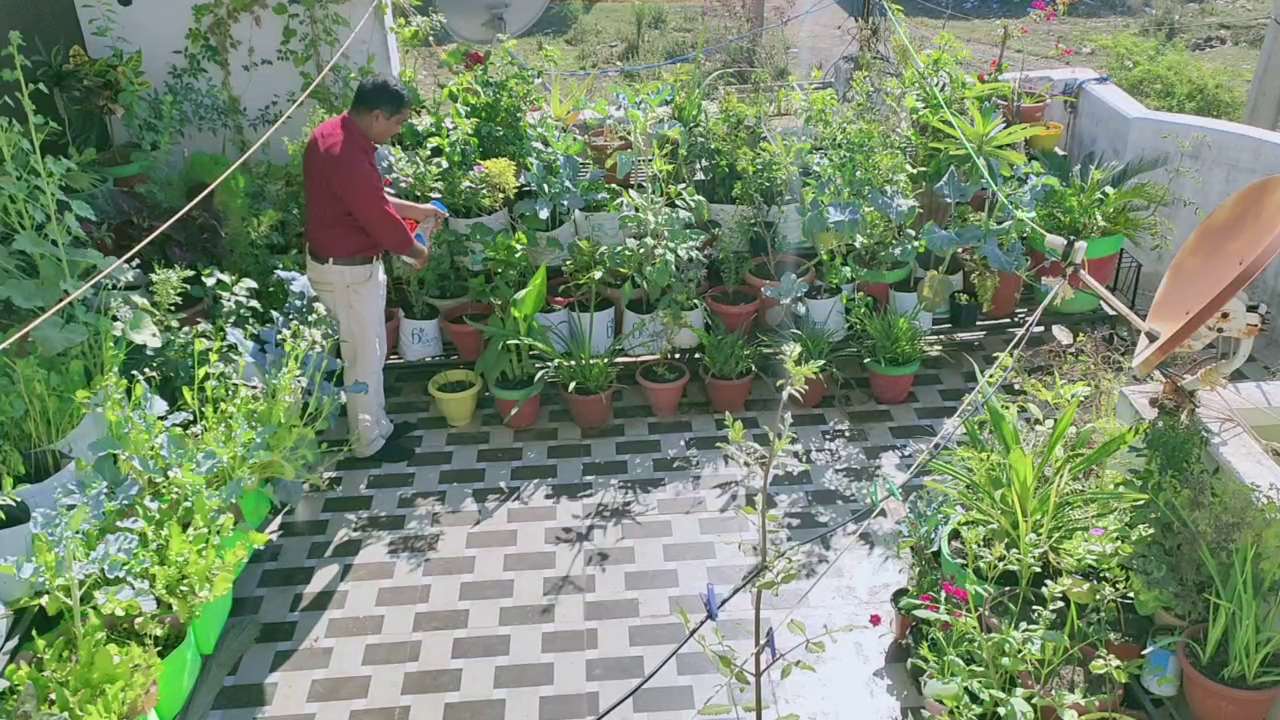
{"x":1225,"y":157}
{"x":159,"y":28}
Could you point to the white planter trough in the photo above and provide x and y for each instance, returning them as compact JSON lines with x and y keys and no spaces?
{"x":90,"y":430}
{"x":556,"y":323}
{"x":420,"y":339}
{"x":685,"y":337}
{"x":828,"y":313}
{"x":474,"y":260}
{"x":643,"y":334}
{"x":551,"y":248}
{"x":599,"y":327}
{"x":15,"y":543}
{"x":602,"y":227}
{"x":44,"y":495}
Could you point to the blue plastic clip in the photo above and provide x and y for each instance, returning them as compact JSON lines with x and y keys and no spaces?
{"x":771,"y":643}
{"x":440,"y":206}
{"x":709,"y":603}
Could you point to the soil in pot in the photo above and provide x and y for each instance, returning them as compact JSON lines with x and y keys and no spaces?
{"x":40,"y":466}
{"x":455,"y":386}
{"x":584,"y":305}
{"x":642,"y":306}
{"x":736,"y":308}
{"x":823,"y":291}
{"x":736,"y":297}
{"x":1073,"y":678}
{"x":964,"y":314}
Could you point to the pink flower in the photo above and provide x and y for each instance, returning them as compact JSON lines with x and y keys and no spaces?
{"x":982,"y":77}
{"x":1024,"y":30}
{"x":1039,"y":5}
{"x":926,"y":598}
{"x":961,"y":595}
{"x":948,"y":587}
{"x":875,"y":621}
{"x":959,"y":615}
{"x":1096,"y":532}
{"x":946,"y":627}
{"x":386,"y":182}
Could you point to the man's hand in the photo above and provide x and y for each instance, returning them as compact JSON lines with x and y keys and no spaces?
{"x":418,"y":212}
{"x":420,"y":256}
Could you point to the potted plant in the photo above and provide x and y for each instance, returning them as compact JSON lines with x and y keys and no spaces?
{"x":551,"y":199}
{"x":818,"y":348}
{"x":460,"y":323}
{"x":769,"y":272}
{"x":592,"y":314}
{"x":418,"y":335}
{"x":734,"y":303}
{"x":824,"y":305}
{"x":882,"y":240}
{"x":457,"y":392}
{"x":507,"y":363}
{"x":964,"y":309}
{"x":1026,"y":104}
{"x":663,"y":381}
{"x":897,"y":346}
{"x":478,"y":197}
{"x":600,"y":219}
{"x":728,"y":368}
{"x":15,"y":541}
{"x":446,"y":281}
{"x":587,"y":380}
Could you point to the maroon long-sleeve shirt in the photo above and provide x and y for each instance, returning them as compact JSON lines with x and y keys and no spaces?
{"x":348,"y":213}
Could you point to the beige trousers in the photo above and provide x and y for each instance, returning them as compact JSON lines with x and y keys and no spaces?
{"x":356,"y":297}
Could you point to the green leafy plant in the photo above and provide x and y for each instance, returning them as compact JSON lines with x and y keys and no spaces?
{"x":728,"y":355}
{"x":896,"y":340}
{"x":983,"y":135}
{"x":1166,"y":77}
{"x":1241,"y":645}
{"x":489,"y":187}
{"x":1094,"y":201}
{"x":513,"y":336}
{"x":580,"y":371}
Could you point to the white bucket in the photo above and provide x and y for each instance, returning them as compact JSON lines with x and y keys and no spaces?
{"x":903,"y":303}
{"x":445,"y":304}
{"x":419,"y":339}
{"x":474,"y":260}
{"x":602,"y":227}
{"x":556,"y":323}
{"x":643,"y":334}
{"x":828,"y":313}
{"x":600,"y":326}
{"x":15,"y":543}
{"x":924,"y":320}
{"x":694,"y":319}
{"x":790,"y":227}
{"x":44,"y":495}
{"x":727,"y":216}
{"x":849,"y":288}
{"x":551,"y":248}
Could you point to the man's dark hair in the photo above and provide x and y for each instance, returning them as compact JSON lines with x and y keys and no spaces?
{"x":380,"y":93}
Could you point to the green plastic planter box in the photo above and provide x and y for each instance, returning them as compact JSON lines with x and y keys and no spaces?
{"x":255,"y":506}
{"x":209,"y":623}
{"x":178,"y":675}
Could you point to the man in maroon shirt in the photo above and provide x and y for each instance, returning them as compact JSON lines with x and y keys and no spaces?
{"x":351,"y":222}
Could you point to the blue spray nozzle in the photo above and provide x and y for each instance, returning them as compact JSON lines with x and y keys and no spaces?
{"x":440,"y":206}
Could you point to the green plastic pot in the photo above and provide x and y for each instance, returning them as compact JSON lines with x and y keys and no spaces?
{"x":179,"y":672}
{"x":886,"y":277}
{"x":1101,"y":259}
{"x":255,"y":505}
{"x":239,"y":537}
{"x":209,"y":622}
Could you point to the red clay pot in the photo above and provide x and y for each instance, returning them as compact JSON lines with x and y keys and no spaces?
{"x":783,"y":262}
{"x":1048,"y":712}
{"x":901,"y":620}
{"x":663,"y":397}
{"x":1124,"y":650}
{"x":728,"y":396}
{"x":393,"y":329}
{"x":558,"y":293}
{"x":1211,"y":700}
{"x":589,"y":411}
{"x":1102,"y":269}
{"x":522,"y":418}
{"x":879,"y":291}
{"x":735,"y":318}
{"x":1005,"y":301}
{"x":892,"y":386}
{"x":468,"y":340}
{"x":815,"y":389}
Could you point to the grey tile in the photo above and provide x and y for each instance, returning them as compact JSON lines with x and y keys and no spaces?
{"x":370,"y":571}
{"x":467,"y":438}
{"x":611,"y":609}
{"x":608,"y":431}
{"x":422,"y":499}
{"x":681,"y":552}
{"x":251,"y":695}
{"x":431,"y":459}
{"x":652,"y":580}
{"x":338,"y":689}
{"x":434,"y":620}
{"x":354,"y":626}
{"x":604,"y":468}
{"x":481,"y":646}
{"x":723,"y":525}
{"x":568,"y":585}
{"x":462,"y":476}
{"x":246,"y":606}
{"x":663,"y":699}
{"x":558,"y":641}
{"x":490,"y":539}
{"x":380,"y":523}
{"x":383,"y":713}
{"x":342,"y":549}
{"x":502,"y":454}
{"x":449,"y":565}
{"x":673,"y":464}
{"x":638,"y":447}
{"x":681,"y":505}
{"x":487,"y":590}
{"x":527,"y":615}
{"x":670,"y":427}
{"x":563,"y":452}
{"x":622,"y":668}
{"x":568,"y":707}
{"x":453,"y":518}
{"x":301,"y":659}
{"x":277,"y":632}
{"x":430,"y":682}
{"x":514,"y":562}
{"x":392,"y":653}
{"x":285,"y":577}
{"x":347,"y":503}
{"x":695,"y":663}
{"x":536,"y":434}
{"x":475,"y":710}
{"x":727,"y":574}
{"x":302,"y":528}
{"x":644,"y":529}
{"x":621,"y":555}
{"x":403,"y":595}
{"x":528,"y":675}
{"x":531,"y":514}
{"x":525,"y":473}
{"x":318,"y":601}
{"x":656,"y":634}
{"x":388,"y":481}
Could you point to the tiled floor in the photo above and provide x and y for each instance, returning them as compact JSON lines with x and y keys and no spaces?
{"x":537,"y":574}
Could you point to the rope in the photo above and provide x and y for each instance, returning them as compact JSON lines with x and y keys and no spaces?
{"x":122,"y":260}
{"x":1224,"y":21}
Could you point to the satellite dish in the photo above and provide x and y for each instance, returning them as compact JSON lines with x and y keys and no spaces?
{"x":482,"y":21}
{"x":1222,"y":256}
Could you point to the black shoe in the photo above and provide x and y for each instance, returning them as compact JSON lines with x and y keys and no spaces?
{"x":393,"y":452}
{"x":402,"y":430}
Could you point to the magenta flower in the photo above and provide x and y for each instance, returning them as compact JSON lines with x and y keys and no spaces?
{"x":876,"y":620}
{"x":1039,"y":5}
{"x":1096,"y":532}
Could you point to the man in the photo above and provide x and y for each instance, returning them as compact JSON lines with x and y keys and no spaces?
{"x":351,"y":222}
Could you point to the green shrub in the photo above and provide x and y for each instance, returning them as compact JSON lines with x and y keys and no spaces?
{"x":1167,"y":77}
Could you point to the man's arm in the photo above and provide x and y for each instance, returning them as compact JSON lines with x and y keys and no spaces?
{"x":418,"y":212}
{"x":361,"y":186}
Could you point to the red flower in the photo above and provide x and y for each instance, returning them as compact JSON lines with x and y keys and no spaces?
{"x":926,"y":598}
{"x":946,"y":627}
{"x":982,"y":77}
{"x":1024,"y":30}
{"x":474,"y":59}
{"x":959,"y":615}
{"x":386,"y":182}
{"x":875,"y":621}
{"x":534,"y":108}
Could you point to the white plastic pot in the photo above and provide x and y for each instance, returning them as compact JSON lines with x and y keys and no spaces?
{"x":903,"y":303}
{"x":828,"y":313}
{"x":685,"y":337}
{"x":90,"y":430}
{"x":15,"y":542}
{"x":445,"y":304}
{"x":727,"y":216}
{"x":600,"y":327}
{"x":419,"y":339}
{"x":602,"y":227}
{"x":957,"y":284}
{"x":44,"y":495}
{"x":643,"y":334}
{"x":474,"y":260}
{"x":849,"y":288}
{"x":790,"y":227}
{"x":551,"y":248}
{"x":925,"y":320}
{"x":556,"y":323}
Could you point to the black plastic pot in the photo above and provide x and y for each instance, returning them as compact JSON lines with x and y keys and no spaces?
{"x":964,"y":315}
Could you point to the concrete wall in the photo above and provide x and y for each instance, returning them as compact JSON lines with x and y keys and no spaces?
{"x":159,"y":28}
{"x":1224,"y":156}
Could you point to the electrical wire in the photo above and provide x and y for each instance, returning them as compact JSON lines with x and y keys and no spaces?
{"x":123,"y":259}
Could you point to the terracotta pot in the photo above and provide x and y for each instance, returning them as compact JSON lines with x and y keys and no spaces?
{"x":1211,"y":700}
{"x":558,"y":293}
{"x":978,"y":202}
{"x":735,"y":318}
{"x":663,"y":397}
{"x":901,"y":620}
{"x":1008,"y":292}
{"x":468,"y":340}
{"x":769,"y":308}
{"x":518,"y":408}
{"x":589,"y":411}
{"x":1048,"y":712}
{"x":892,"y":385}
{"x":1124,"y":650}
{"x":1027,"y":112}
{"x":393,"y":329}
{"x":728,"y":396}
{"x":815,"y":389}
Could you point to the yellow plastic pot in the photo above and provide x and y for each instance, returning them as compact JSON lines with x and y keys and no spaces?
{"x":1048,"y":137}
{"x":458,"y":407}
